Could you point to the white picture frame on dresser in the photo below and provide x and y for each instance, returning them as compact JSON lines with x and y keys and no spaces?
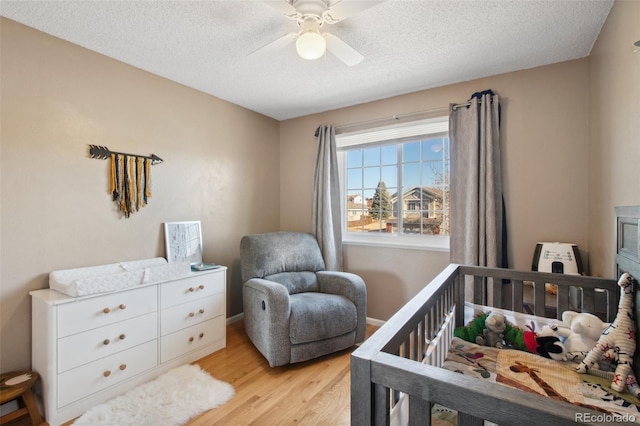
{"x":90,"y":349}
{"x":183,"y":242}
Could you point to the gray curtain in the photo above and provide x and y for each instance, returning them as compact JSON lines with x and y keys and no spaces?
{"x":477,"y":211}
{"x":326,"y":200}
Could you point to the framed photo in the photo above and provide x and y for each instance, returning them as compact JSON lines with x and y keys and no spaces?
{"x":183,"y":242}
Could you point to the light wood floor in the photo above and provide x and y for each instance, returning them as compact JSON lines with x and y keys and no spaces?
{"x":315,"y":392}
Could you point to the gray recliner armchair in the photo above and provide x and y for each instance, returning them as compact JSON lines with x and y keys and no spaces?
{"x":294,"y":310}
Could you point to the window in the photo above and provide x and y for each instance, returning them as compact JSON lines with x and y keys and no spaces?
{"x":395,"y":184}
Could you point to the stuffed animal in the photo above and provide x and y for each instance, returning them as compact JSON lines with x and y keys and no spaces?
{"x":513,"y":336}
{"x":475,"y":331}
{"x":549,"y":343}
{"x":618,"y":342}
{"x":493,"y":332}
{"x":580,"y":337}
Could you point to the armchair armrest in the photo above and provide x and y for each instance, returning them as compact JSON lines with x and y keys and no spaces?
{"x":266,"y":317}
{"x":353,"y":288}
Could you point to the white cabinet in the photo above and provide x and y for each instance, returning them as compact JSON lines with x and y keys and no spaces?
{"x":90,"y":349}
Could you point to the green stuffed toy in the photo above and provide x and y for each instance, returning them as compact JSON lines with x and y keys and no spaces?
{"x":491,"y":329}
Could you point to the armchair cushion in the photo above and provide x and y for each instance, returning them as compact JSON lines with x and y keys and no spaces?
{"x":296,"y":282}
{"x":275,"y":252}
{"x":318,"y":316}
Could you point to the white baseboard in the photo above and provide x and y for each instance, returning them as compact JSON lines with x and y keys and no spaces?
{"x":376,"y":322}
{"x":235,"y":318}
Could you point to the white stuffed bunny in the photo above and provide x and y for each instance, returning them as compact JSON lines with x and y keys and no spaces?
{"x":582,"y":334}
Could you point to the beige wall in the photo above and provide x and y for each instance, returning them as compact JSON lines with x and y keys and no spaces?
{"x":544,"y":147}
{"x":220,"y":167}
{"x":614,"y":129}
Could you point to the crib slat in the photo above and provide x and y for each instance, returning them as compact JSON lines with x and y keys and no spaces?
{"x":612,"y":305}
{"x":538,"y":299}
{"x":496,"y":283}
{"x":421,"y":338}
{"x":465,"y":419}
{"x":419,"y":411}
{"x":478,"y":290}
{"x":517,"y":294}
{"x":459,"y":298}
{"x":382,"y":405}
{"x":415,"y":338}
{"x":588,"y":300}
{"x":563,"y":301}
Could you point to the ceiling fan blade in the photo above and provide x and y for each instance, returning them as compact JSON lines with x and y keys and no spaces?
{"x":342,"y":50}
{"x":276,"y":45}
{"x":282,"y":6}
{"x":345,"y":9}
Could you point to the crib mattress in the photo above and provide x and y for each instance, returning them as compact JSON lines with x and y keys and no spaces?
{"x":115,"y":276}
{"x":536,"y":374}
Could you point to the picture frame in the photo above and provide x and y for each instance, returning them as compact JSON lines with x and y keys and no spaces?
{"x":183,"y":242}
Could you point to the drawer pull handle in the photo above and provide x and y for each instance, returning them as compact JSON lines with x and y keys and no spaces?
{"x":106,"y":310}
{"x":123,"y":367}
{"x":122,"y":306}
{"x":201,"y":335}
{"x":191,"y":314}
{"x":106,"y":342}
{"x":106,"y":373}
{"x":191,"y":289}
{"x":201,"y":287}
{"x":201,"y":311}
{"x":122,"y":336}
{"x":191,"y":339}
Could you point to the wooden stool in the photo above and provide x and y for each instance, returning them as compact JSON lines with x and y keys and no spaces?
{"x":9,"y":392}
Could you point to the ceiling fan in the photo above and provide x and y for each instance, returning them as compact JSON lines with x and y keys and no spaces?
{"x":311,"y":15}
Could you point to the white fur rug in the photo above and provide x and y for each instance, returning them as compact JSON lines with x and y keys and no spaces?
{"x":170,"y":400}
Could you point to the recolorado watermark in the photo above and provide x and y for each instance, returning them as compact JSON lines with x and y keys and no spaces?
{"x":604,"y":418}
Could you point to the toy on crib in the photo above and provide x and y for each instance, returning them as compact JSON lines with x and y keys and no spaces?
{"x":485,"y":328}
{"x":550,"y":344}
{"x":481,"y":323}
{"x":618,"y":342}
{"x":493,"y":332}
{"x":580,"y":337}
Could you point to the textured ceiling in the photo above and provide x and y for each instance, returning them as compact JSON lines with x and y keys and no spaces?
{"x":407,"y":45}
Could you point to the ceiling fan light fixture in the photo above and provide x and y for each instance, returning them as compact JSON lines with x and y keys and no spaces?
{"x":311,"y":45}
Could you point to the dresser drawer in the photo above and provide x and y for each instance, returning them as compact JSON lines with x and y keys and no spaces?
{"x":192,"y":288}
{"x":103,"y":373}
{"x":99,"y":311}
{"x":191,"y":313}
{"x":189,"y":339}
{"x":91,"y":345}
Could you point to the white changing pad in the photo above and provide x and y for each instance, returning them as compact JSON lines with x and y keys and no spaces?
{"x":115,"y":276}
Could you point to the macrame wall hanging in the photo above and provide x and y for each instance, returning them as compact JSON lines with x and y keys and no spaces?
{"x":129,"y":177}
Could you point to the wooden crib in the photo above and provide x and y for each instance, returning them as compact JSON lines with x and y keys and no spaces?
{"x":396,"y":373}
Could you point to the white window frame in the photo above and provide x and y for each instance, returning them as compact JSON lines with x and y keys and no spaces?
{"x":404,"y":132}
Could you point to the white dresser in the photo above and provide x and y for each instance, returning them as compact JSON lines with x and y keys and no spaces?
{"x":90,"y":349}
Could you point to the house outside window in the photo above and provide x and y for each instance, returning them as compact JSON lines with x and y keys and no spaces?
{"x":395,"y":185}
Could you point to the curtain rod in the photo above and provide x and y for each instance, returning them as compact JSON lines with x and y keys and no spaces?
{"x":398,"y":117}
{"x":341,"y":128}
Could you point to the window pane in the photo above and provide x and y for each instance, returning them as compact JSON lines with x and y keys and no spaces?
{"x":411,"y":151}
{"x":372,"y":156}
{"x":432,"y":174}
{"x":411,"y":175}
{"x":389,"y":175}
{"x":356,"y":211}
{"x":433,"y":149}
{"x":389,"y":154}
{"x":354,"y":158}
{"x":371,"y":177}
{"x":354,"y":179}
